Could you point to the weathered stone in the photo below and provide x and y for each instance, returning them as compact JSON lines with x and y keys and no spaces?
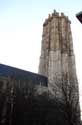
{"x":57,"y":60}
{"x":57,"y":55}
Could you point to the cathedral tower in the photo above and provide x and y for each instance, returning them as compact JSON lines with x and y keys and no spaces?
{"x":57,"y":60}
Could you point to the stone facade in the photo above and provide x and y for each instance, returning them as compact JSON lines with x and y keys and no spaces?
{"x":57,"y":57}
{"x":57,"y":60}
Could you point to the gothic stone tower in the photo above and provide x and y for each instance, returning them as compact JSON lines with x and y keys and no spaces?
{"x":57,"y":60}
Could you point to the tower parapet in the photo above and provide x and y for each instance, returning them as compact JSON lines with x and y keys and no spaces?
{"x":55,"y":14}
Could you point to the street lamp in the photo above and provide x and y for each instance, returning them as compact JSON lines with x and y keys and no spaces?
{"x":79,"y":16}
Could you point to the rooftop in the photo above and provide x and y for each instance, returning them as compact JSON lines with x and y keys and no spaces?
{"x":79,"y":16}
{"x":19,"y":74}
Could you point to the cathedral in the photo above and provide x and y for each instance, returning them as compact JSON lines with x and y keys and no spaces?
{"x":56,"y":77}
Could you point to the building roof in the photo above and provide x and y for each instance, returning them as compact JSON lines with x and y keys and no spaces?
{"x":22,"y":74}
{"x":79,"y":16}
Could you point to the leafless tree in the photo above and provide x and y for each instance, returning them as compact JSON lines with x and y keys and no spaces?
{"x":68,"y":88}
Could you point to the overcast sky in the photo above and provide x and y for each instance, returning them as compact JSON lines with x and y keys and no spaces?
{"x":21,"y":31}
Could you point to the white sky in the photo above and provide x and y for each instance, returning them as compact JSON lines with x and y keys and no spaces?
{"x":21,"y":31}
